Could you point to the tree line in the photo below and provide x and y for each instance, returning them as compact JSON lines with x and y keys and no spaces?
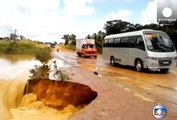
{"x":119,"y":26}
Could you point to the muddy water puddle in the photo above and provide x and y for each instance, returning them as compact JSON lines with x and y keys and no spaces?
{"x":13,"y":106}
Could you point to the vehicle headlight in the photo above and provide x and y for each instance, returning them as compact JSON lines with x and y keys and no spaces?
{"x":153,"y":58}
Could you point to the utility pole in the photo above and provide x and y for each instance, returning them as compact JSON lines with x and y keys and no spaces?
{"x":15,"y":33}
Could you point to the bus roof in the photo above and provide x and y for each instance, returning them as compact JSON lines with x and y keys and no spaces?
{"x":139,"y":32}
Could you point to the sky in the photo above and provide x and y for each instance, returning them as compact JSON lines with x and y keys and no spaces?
{"x":49,"y":20}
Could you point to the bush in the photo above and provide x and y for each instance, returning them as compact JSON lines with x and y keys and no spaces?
{"x":62,"y":76}
{"x":43,"y":55}
{"x":70,"y":47}
{"x":40,"y":72}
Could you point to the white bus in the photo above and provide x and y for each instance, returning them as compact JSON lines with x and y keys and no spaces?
{"x":143,"y":49}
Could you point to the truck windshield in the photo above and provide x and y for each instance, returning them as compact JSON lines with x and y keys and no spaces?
{"x":159,"y":42}
{"x":89,"y":46}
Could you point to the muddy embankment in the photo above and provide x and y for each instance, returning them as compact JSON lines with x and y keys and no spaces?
{"x":43,"y":99}
{"x":58,"y":95}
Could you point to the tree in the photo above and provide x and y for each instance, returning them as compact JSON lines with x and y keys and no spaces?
{"x":55,"y":43}
{"x":66,"y":38}
{"x":72,"y":39}
{"x":151,"y":26}
{"x":43,"y":55}
{"x":69,"y":39}
{"x":115,"y":26}
{"x":88,"y":36}
{"x":138,"y":26}
{"x":98,"y":37}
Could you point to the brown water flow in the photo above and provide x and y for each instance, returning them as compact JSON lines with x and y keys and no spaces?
{"x":13,"y":105}
{"x":13,"y":76}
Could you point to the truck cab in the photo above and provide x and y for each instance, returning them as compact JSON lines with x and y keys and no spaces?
{"x":86,"y":48}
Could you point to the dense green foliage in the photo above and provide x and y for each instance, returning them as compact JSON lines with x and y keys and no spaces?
{"x":43,"y":55}
{"x":70,"y":47}
{"x":69,"y":39}
{"x":20,"y":47}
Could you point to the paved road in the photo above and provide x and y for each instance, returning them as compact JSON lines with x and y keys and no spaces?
{"x":148,"y":86}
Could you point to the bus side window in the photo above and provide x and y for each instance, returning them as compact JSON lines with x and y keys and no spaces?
{"x":140,"y":43}
{"x":117,"y":42}
{"x":106,"y":43}
{"x":124,"y":42}
{"x":132,"y":41}
{"x":111,"y":42}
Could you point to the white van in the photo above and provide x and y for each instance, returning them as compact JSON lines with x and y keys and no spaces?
{"x":146,"y":48}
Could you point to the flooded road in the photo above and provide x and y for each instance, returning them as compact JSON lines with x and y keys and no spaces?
{"x":148,"y":86}
{"x":13,"y":106}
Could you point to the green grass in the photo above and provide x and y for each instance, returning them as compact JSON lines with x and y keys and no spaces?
{"x":70,"y":47}
{"x":20,"y":47}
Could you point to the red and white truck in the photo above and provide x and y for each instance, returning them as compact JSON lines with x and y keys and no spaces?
{"x":86,"y":48}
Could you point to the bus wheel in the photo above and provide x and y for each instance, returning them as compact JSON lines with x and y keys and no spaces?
{"x":112,"y":61}
{"x":139,"y":65}
{"x":164,"y":70}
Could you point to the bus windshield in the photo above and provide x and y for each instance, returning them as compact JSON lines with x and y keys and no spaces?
{"x":159,"y":42}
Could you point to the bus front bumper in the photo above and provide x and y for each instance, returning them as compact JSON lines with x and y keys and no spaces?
{"x":156,"y":64}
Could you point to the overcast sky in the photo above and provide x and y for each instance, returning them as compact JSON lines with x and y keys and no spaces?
{"x":49,"y":20}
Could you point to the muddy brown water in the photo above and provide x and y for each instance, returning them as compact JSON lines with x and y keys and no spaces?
{"x":14,"y":73}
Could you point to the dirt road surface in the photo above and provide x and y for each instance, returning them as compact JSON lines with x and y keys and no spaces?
{"x":123,"y":94}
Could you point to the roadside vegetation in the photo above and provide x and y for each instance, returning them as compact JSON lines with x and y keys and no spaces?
{"x":70,"y":41}
{"x":21,"y":47}
{"x":70,"y":47}
{"x":43,"y":71}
